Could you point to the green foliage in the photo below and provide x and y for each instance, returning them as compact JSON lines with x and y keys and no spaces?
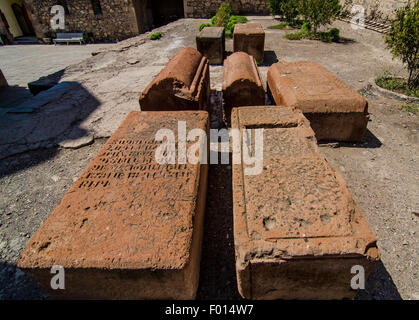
{"x":232,"y":22}
{"x":223,"y":15}
{"x":203,"y":25}
{"x":280,"y":26}
{"x":295,"y":35}
{"x":275,"y":7}
{"x":306,"y":27}
{"x":305,"y":32}
{"x":288,"y":9}
{"x":412,"y":108}
{"x":213,"y":20}
{"x":319,"y":12}
{"x":403,"y":40}
{"x":156,"y":36}
{"x":396,"y":84}
{"x":335,"y":34}
{"x":238,"y":19}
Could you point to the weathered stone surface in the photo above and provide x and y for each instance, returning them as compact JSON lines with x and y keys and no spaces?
{"x":3,"y":81}
{"x":250,"y":38}
{"x":211,"y":43}
{"x":335,"y":110}
{"x":184,"y":84}
{"x":297,"y":229}
{"x":128,"y":228}
{"x":242,"y":83}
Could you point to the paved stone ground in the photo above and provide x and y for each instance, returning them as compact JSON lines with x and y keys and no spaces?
{"x":25,"y":63}
{"x":44,"y":151}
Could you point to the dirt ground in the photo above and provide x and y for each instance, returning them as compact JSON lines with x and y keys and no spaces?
{"x":39,"y":164}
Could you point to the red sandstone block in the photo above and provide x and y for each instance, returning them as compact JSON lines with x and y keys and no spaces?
{"x":242,"y":83}
{"x":3,"y":81}
{"x":128,"y":228}
{"x":250,"y":38}
{"x":335,"y":110}
{"x":297,"y":229}
{"x":184,"y":84}
{"x":211,"y":43}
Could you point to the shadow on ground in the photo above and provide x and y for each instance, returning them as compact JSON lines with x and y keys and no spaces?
{"x":48,"y":120}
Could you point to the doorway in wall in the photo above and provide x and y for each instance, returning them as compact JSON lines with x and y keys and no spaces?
{"x":166,"y":11}
{"x":22,"y":18}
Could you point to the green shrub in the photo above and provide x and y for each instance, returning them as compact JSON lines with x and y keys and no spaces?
{"x":288,"y":9}
{"x":335,"y":34}
{"x":238,"y":19}
{"x":295,"y":35}
{"x":412,"y":108}
{"x":203,"y":25}
{"x":213,"y":20}
{"x":403,"y":40}
{"x":280,"y":26}
{"x":233,"y":21}
{"x":275,"y":7}
{"x":223,"y":15}
{"x":156,"y":36}
{"x":306,"y":27}
{"x":319,"y":12}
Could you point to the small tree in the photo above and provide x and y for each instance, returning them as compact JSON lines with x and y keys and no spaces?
{"x":288,"y":9}
{"x":319,"y":12}
{"x":403,"y":40}
{"x":223,"y":15}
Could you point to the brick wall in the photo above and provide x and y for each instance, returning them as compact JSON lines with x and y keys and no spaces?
{"x":117,"y":21}
{"x":207,"y":9}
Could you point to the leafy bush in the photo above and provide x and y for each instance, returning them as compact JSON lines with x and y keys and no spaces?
{"x":232,"y":22}
{"x":403,"y":40}
{"x":223,"y":18}
{"x":396,"y":84}
{"x":223,"y":15}
{"x":412,"y":108}
{"x":295,"y":35}
{"x":275,"y":7}
{"x":238,"y":19}
{"x":156,"y":36}
{"x":288,"y":9}
{"x":335,"y":34}
{"x":280,"y":26}
{"x":319,"y":12}
{"x":203,"y":25}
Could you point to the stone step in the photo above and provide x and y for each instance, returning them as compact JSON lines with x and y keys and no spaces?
{"x":297,"y":230}
{"x":129,"y":227}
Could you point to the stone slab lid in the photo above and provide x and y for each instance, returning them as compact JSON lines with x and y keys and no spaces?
{"x":125,"y":211}
{"x":311,"y":88}
{"x":211,"y":32}
{"x":249,"y":28}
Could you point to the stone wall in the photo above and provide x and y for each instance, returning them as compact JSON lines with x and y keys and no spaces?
{"x":377,"y":9}
{"x":207,"y":9}
{"x":117,"y":21}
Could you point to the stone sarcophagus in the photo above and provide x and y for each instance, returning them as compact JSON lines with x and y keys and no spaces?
{"x":335,"y":110}
{"x":242,"y":83}
{"x":130,"y":227}
{"x":184,"y":84}
{"x":297,"y":230}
